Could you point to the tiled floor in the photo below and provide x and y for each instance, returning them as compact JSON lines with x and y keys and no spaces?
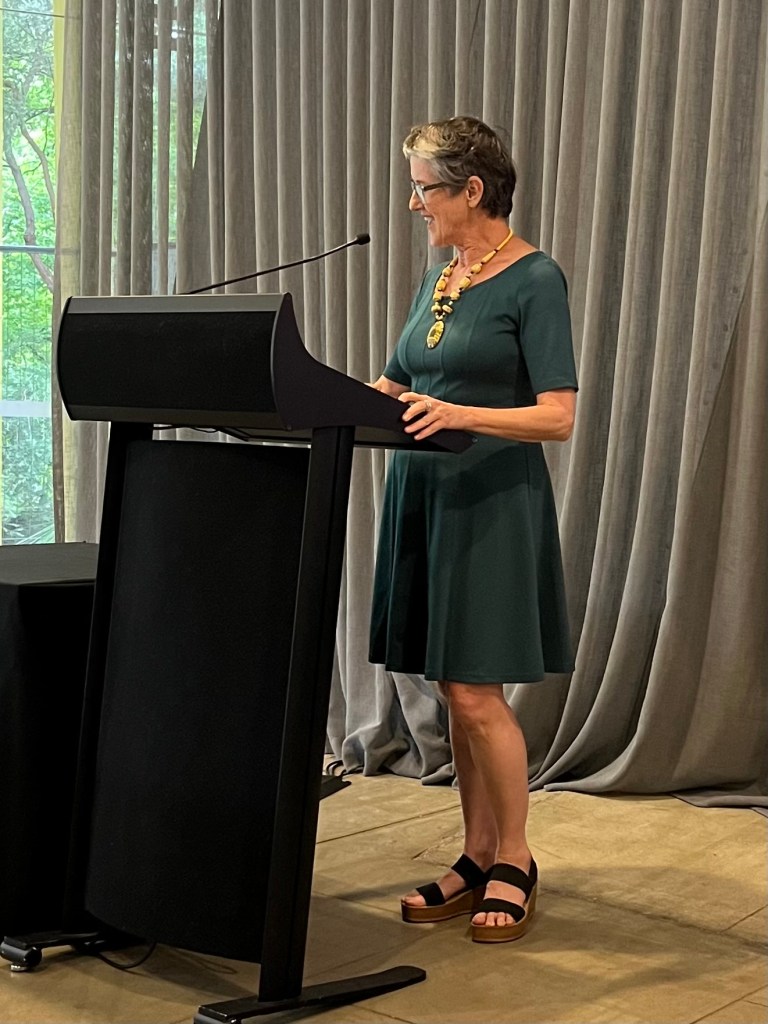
{"x":649,"y":910}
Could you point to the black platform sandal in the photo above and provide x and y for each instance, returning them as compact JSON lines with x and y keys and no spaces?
{"x":508,"y":932}
{"x":438,"y":908}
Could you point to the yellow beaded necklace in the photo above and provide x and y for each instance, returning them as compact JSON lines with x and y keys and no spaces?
{"x":441,"y":306}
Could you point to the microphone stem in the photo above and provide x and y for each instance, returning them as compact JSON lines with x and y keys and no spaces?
{"x":272,"y":270}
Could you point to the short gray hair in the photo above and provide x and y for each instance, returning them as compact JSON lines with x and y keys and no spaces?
{"x":464,"y":146}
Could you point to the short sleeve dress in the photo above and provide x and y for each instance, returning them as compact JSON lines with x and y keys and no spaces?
{"x":469,"y":582}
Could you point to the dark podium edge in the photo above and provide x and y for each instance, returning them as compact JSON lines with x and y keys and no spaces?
{"x":299,"y":780}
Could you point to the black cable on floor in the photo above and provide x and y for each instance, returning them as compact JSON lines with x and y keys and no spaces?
{"x":128,"y":967}
{"x":337,"y":769}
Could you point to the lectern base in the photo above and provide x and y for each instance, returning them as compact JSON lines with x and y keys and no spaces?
{"x":25,"y":952}
{"x":330,"y":993}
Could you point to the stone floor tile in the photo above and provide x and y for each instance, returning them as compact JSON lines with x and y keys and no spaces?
{"x":375,"y":868}
{"x":629,"y":928}
{"x":753,"y":928}
{"x":353,"y":1014}
{"x":582,"y":962}
{"x":80,"y":990}
{"x":703,"y":866}
{"x":740,"y":1012}
{"x":379,"y":800}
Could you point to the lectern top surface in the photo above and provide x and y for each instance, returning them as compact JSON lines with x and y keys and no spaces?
{"x":176,"y":303}
{"x":39,"y":564}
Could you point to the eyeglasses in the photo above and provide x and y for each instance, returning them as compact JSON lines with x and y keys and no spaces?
{"x":421,"y":190}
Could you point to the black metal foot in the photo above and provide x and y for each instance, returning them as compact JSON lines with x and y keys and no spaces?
{"x":26,"y":951}
{"x":331,"y":993}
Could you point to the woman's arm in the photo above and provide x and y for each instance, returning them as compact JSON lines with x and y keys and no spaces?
{"x":389,"y":387}
{"x":551,"y":419}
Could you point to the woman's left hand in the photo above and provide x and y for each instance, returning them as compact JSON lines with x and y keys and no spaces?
{"x":430,"y":415}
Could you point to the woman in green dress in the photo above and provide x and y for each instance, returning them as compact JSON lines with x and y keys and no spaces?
{"x":468,"y":588}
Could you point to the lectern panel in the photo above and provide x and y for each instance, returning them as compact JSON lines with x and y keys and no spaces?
{"x":194,"y":693}
{"x":207,"y":361}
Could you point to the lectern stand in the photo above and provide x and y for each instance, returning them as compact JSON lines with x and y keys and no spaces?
{"x":213,"y":629}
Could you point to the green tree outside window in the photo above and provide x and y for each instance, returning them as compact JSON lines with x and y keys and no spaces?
{"x":28,"y":238}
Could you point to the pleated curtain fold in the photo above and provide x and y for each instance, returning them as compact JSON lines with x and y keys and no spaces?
{"x":640,"y":132}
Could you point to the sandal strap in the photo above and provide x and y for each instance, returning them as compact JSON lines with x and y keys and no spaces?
{"x":473,"y":875}
{"x":466,"y":868}
{"x":492,"y":906}
{"x":432,"y":893}
{"x":515,"y":876}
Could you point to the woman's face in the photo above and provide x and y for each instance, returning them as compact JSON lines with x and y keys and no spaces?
{"x":444,"y":213}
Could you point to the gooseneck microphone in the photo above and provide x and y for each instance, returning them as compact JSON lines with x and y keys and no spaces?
{"x":362,"y":239}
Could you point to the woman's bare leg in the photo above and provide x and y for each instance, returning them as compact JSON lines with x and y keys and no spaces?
{"x":480,"y":838}
{"x":480,"y":835}
{"x":499,"y":755}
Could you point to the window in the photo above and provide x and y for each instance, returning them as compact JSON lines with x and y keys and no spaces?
{"x":30,"y":36}
{"x":31,"y":53}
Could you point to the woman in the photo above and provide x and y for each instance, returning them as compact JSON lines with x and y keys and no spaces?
{"x":468,"y":588}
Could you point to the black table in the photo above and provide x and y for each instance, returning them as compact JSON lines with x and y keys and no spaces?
{"x":46,"y":594}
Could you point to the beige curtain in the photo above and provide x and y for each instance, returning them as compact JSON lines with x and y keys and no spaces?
{"x":641,"y":136}
{"x":132,"y":84}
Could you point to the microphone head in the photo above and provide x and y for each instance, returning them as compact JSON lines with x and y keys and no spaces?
{"x":362,"y":239}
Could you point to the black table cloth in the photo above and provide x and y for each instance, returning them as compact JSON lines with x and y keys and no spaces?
{"x":46,"y":594}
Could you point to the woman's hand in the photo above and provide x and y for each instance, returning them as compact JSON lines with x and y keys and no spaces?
{"x":430,"y":415}
{"x":387,"y":387}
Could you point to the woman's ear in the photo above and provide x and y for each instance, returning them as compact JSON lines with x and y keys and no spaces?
{"x":474,"y":190}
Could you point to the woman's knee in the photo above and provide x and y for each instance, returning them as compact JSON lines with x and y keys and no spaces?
{"x":474,"y":707}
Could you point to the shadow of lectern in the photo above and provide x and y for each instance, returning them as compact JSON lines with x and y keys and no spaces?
{"x":213,"y":631}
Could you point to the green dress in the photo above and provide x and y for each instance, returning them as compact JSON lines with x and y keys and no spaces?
{"x":469,"y":581}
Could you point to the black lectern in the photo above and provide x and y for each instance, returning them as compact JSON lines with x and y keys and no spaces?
{"x":213,"y":629}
